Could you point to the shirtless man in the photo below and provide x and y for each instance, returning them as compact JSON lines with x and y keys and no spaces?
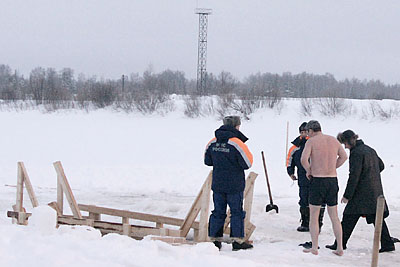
{"x":321,"y":156}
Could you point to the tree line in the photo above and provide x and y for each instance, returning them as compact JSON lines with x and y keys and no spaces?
{"x":149,"y":91}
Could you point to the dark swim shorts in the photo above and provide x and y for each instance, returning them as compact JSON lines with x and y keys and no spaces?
{"x":324,"y":190}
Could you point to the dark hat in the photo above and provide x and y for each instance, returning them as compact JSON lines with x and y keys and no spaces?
{"x":232,"y":121}
{"x":313,"y":125}
{"x":303,"y":127}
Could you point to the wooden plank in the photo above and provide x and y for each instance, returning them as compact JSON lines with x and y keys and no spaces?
{"x":20,"y":189}
{"x":134,"y":215}
{"x":248,"y":231}
{"x":202,"y":234}
{"x":380,"y":207}
{"x":15,"y":214}
{"x":195,"y":209}
{"x":248,"y":198}
{"x":67,"y":189}
{"x":28,"y":185}
{"x":60,"y":196}
{"x":110,"y":227}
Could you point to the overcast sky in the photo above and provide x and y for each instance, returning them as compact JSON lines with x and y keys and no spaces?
{"x":108,"y":38}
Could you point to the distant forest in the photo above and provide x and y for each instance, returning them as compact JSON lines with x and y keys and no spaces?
{"x":61,"y":88}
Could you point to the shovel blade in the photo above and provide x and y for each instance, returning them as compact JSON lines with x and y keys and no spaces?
{"x":270,"y":207}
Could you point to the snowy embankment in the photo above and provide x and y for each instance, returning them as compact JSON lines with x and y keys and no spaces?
{"x":154,"y":164}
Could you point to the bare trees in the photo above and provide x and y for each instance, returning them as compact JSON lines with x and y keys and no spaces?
{"x":151,"y":92}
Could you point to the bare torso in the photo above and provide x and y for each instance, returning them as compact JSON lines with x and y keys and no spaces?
{"x":323,"y":152}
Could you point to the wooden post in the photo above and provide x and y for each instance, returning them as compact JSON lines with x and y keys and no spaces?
{"x":28,"y":184}
{"x":20,"y":190}
{"x":126,"y":229}
{"x":60,"y":196}
{"x":380,"y":206}
{"x":94,"y":216}
{"x":202,"y":234}
{"x":248,"y":197}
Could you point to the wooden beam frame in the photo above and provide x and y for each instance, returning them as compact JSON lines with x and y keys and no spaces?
{"x":19,"y":214}
{"x":200,"y":206}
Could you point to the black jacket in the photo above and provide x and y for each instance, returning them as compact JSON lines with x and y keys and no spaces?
{"x":364,"y":184}
{"x":229,"y":156}
{"x":294,"y":160}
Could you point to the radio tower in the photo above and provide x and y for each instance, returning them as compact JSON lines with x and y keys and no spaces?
{"x":202,"y":49}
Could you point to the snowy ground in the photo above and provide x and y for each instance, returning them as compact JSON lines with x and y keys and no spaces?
{"x":154,"y":164}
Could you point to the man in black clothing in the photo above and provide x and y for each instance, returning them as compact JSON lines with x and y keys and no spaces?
{"x":363,"y":188}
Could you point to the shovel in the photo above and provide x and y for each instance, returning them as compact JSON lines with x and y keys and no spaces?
{"x":271,"y":205}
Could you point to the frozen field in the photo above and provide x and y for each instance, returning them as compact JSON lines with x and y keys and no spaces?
{"x":154,"y":164}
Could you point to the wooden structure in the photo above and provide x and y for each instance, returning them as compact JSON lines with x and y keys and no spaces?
{"x":19,"y":214}
{"x":180,"y":227}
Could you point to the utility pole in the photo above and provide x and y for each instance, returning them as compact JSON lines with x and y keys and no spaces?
{"x":123,"y":82}
{"x":202,"y":49}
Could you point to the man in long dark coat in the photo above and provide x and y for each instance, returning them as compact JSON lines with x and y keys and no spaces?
{"x":363,"y":188}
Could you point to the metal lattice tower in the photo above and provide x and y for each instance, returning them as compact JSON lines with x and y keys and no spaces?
{"x":202,"y":49}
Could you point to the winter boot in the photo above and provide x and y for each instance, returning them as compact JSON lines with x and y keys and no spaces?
{"x":305,"y":220}
{"x":321,"y":218}
{"x":237,"y":246}
{"x":334,"y":246}
{"x":388,"y":249}
{"x":218,"y":244}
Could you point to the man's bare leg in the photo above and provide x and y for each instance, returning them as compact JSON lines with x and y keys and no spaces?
{"x":337,"y":229}
{"x":314,"y":229}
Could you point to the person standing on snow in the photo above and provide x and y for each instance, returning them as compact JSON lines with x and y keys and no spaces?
{"x":293,"y":162}
{"x":321,"y":156}
{"x":229,"y":157}
{"x":363,"y":188}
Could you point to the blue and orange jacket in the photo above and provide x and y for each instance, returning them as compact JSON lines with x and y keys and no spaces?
{"x":294,"y":160}
{"x":229,"y":157}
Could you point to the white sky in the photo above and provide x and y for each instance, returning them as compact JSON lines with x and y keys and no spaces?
{"x":108,"y":38}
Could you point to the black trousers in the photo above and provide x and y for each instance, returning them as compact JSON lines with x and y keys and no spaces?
{"x":349,"y":221}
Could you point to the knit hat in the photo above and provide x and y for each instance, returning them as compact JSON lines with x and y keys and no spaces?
{"x":231,"y":121}
{"x":313,"y":125}
{"x":302,"y":127}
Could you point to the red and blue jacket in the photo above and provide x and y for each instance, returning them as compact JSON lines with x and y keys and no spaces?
{"x":229,"y":157}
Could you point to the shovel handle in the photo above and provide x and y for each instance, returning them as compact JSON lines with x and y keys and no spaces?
{"x":266,"y":177}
